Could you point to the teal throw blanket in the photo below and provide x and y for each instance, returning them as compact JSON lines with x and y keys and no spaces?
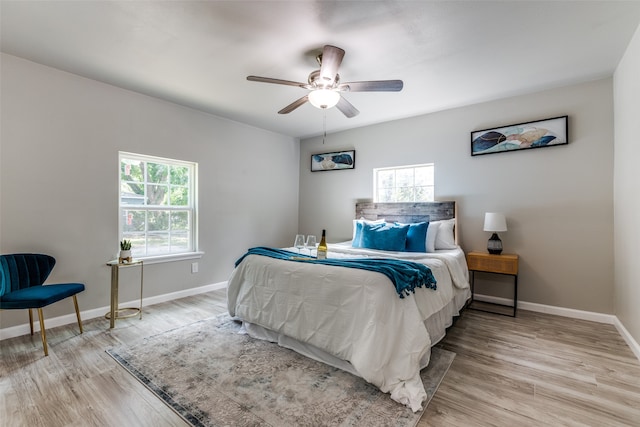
{"x":405,"y":275}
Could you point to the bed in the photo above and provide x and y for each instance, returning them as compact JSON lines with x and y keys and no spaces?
{"x":355,"y":319}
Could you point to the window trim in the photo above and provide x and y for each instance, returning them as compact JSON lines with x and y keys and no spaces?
{"x":194,"y":252}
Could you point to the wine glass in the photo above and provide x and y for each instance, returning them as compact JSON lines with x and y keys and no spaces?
{"x":311,"y":243}
{"x":299,"y":242}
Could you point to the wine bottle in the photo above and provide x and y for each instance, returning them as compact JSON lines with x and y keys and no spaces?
{"x":322,"y":247}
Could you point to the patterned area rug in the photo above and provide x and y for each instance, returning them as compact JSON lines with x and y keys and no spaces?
{"x":212,"y":375}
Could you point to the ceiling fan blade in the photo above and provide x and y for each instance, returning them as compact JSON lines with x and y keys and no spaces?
{"x":372,"y":86}
{"x":331,"y":60}
{"x":277,"y":81}
{"x":295,"y":104}
{"x":347,"y":108}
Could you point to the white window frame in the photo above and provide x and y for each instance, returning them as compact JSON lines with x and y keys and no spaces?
{"x":192,"y":251}
{"x":377,"y":190}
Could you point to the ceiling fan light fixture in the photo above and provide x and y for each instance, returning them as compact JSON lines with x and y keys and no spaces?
{"x":324,"y":98}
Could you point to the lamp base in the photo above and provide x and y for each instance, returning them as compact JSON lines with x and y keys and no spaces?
{"x":494,"y":245}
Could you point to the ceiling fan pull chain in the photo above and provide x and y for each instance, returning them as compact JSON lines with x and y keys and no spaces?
{"x":324,"y":125}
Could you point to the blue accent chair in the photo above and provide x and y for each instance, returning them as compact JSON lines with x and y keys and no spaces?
{"x":21,"y":286}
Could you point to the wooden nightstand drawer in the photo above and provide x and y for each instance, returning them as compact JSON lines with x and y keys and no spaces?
{"x":504,"y":264}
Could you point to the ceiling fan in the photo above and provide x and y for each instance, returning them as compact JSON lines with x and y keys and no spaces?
{"x":325,"y":87}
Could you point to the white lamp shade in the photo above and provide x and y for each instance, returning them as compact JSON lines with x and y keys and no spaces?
{"x":494,"y":222}
{"x":324,"y":98}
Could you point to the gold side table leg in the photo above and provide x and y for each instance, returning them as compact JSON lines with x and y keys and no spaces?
{"x":114,"y":296}
{"x":115,"y":312}
{"x":141,"y":285}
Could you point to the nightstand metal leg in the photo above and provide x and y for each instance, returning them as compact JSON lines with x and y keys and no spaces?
{"x":515,"y":294}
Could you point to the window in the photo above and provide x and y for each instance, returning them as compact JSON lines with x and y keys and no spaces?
{"x":157,"y":205}
{"x":404,"y":184}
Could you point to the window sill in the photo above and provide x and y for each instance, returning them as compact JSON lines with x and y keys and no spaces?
{"x":159,"y":259}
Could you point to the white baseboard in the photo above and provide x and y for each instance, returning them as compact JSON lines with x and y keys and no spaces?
{"x":609,"y":319}
{"x":23,"y":329}
{"x":550,"y":309}
{"x":633,"y":344}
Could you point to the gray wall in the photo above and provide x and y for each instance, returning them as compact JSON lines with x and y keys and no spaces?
{"x":627,"y":188}
{"x":60,"y":137}
{"x":558,"y":201}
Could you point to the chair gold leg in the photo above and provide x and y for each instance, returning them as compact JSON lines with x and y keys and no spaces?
{"x":43,"y":334}
{"x":75,"y":303}
{"x":31,"y":321}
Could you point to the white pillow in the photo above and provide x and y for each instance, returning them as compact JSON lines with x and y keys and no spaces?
{"x":445,"y":238}
{"x":432,"y":233}
{"x":363,"y":220}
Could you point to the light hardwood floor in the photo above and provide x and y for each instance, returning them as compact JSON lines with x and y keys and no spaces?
{"x":534,"y":370}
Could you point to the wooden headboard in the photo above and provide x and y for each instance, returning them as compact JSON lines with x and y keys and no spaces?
{"x":409,"y":212}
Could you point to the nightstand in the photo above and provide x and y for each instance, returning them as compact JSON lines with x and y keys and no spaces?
{"x":506,"y":264}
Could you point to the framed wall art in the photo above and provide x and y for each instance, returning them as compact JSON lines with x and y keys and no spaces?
{"x":522,"y":136}
{"x":333,"y":161}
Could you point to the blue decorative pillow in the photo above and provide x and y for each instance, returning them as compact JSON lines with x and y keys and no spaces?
{"x":384,"y":237}
{"x":357,"y":234}
{"x":416,"y":237}
{"x":356,"y":242}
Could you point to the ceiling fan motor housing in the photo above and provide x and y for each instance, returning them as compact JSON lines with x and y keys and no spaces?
{"x":318,"y":83}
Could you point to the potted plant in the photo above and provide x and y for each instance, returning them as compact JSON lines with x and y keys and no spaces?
{"x":125,"y":251}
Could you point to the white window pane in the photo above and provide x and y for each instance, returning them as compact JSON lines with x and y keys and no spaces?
{"x":385,"y":196}
{"x":179,"y":196}
{"x":131,"y":182}
{"x":138,"y":243}
{"x":133,"y":220}
{"x":424,"y":194}
{"x":158,"y":221}
{"x":180,"y":241}
{"x":404,"y":194}
{"x":158,"y":244}
{"x":131,"y":170}
{"x":157,"y":173}
{"x":180,"y":221}
{"x":386,"y":179}
{"x":404,"y":178}
{"x":421,"y":194}
{"x":179,"y":175}
{"x":129,"y":197}
{"x":424,"y":176}
{"x":157,"y":195}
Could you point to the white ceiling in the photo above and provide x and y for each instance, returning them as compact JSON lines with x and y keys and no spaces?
{"x":198,"y":53}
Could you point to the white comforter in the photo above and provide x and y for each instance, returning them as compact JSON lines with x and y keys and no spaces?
{"x":353,"y":314}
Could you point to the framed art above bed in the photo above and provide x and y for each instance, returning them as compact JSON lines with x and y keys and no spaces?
{"x":536,"y":134}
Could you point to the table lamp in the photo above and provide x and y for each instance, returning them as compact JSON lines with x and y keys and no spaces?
{"x":494,"y":222}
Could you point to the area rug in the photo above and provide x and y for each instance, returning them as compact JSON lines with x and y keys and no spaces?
{"x":211,"y":374}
